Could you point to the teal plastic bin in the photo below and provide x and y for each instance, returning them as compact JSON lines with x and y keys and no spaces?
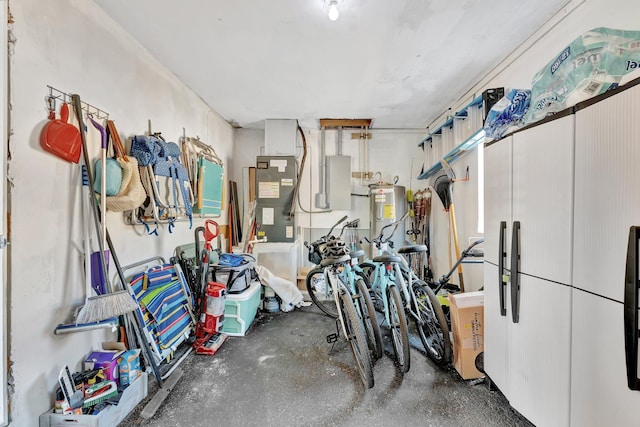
{"x":240,"y":310}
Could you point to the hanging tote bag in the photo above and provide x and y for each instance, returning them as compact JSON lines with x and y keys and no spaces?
{"x":131,"y":194}
{"x":113,"y":172}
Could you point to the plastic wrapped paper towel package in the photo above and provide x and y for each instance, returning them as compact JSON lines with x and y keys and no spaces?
{"x":590,"y":65}
{"x":507,"y":114}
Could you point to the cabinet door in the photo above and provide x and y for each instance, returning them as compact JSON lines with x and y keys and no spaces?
{"x":540,"y":353}
{"x":607,"y":198}
{"x":599,"y":392}
{"x":497,"y":195}
{"x":543,"y":198}
{"x":496,"y":332}
{"x":497,"y":211}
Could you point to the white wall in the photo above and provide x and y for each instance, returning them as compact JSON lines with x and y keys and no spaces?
{"x":392,"y":153}
{"x":75,"y":47}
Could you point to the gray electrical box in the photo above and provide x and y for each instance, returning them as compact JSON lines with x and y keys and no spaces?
{"x":275,"y":183}
{"x":339,"y":182}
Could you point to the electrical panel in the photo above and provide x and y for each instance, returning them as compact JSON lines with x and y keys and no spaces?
{"x":339,"y":182}
{"x":275,"y":184}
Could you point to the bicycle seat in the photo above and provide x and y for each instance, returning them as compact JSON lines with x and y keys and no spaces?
{"x":412,"y":249}
{"x":387,"y":259}
{"x":357,"y":254}
{"x":334,"y":260}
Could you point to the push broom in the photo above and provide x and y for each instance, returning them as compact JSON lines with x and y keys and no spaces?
{"x":110,"y":304}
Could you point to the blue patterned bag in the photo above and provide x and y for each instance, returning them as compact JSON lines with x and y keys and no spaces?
{"x":145,"y":149}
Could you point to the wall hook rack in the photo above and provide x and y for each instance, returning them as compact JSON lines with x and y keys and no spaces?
{"x":57,"y":94}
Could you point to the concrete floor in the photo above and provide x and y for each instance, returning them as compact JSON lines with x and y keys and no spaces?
{"x":282,"y":374}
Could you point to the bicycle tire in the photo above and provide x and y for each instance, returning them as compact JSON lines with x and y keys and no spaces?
{"x":399,"y":329}
{"x":371,"y":326}
{"x":320,"y":292}
{"x":357,"y":340}
{"x":432,"y":326}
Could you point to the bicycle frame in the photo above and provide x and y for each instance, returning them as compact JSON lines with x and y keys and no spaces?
{"x":412,"y":305}
{"x":437,"y":285}
{"x":382,"y":278}
{"x":398,"y":278}
{"x":332,"y":277}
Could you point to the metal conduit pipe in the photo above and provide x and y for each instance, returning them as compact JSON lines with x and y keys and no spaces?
{"x":321,"y":197}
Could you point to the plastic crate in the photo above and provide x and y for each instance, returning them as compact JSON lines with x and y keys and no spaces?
{"x":109,"y":417}
{"x":240,"y":310}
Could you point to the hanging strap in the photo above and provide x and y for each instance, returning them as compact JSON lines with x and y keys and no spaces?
{"x":118,"y":148}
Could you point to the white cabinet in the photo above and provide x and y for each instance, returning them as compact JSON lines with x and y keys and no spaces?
{"x":570,"y":355}
{"x":528,"y":207}
{"x":540,"y":353}
{"x":496,"y":332}
{"x":497,"y":196}
{"x":607,"y":204}
{"x":543,"y":198}
{"x":607,"y":198}
{"x":599,"y":392}
{"x":498,"y":159}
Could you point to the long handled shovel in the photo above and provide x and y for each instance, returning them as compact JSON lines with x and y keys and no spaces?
{"x":442,"y":184}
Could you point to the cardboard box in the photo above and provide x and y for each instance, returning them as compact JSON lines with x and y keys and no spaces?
{"x":107,"y":360}
{"x":302,"y":277}
{"x":129,"y":367}
{"x":467,"y":324}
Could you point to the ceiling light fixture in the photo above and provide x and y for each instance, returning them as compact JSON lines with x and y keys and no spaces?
{"x":333,"y":10}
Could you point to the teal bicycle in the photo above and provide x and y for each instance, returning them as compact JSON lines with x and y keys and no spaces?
{"x":355,"y":280}
{"x":387,"y":284}
{"x":418,"y":297}
{"x":349,"y":323}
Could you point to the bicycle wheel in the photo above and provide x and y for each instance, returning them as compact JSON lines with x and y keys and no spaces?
{"x":399,"y":329}
{"x":371,"y":326}
{"x":432,"y":326}
{"x":356,"y":338}
{"x":320,"y":292}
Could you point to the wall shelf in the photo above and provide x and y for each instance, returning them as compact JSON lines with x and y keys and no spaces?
{"x":459,"y":134}
{"x":456,"y":153}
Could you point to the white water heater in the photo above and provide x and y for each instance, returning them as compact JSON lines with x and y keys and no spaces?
{"x":387,"y":205}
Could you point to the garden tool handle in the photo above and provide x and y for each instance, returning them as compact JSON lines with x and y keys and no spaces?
{"x":209,"y":233}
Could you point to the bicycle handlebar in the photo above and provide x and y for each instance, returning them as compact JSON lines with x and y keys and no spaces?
{"x":344,"y":218}
{"x":465,"y":253}
{"x":378,"y":240}
{"x":350,"y":224}
{"x":324,"y":238}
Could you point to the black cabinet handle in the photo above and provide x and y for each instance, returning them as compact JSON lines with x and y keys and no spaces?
{"x":502,"y":255}
{"x":515,"y":278}
{"x":631,"y":333}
